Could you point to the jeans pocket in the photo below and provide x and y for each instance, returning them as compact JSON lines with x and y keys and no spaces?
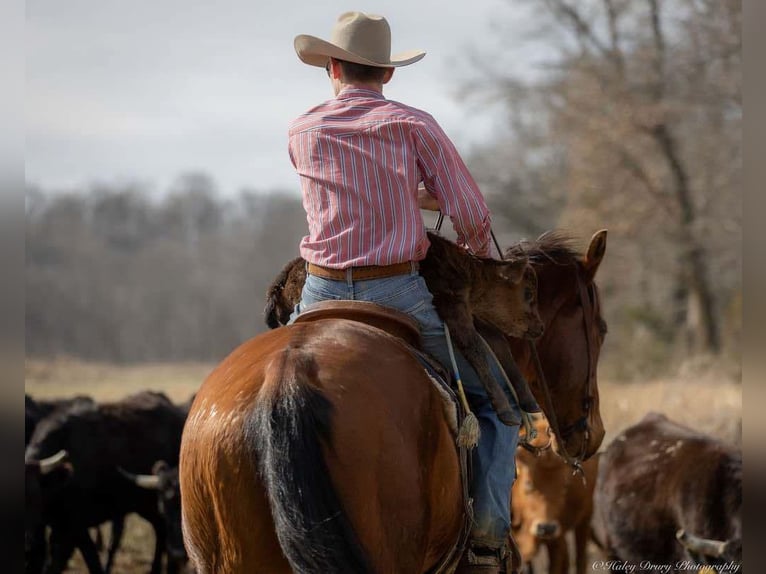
{"x":318,"y":289}
{"x":401,"y":293}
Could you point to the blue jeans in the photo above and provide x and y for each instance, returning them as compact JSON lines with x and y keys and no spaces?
{"x":494,"y":465}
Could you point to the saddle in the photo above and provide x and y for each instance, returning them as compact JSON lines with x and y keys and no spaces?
{"x":391,"y":321}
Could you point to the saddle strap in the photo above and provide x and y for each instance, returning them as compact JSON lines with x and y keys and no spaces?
{"x":451,"y":559}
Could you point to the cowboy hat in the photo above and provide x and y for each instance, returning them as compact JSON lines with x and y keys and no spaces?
{"x":357,"y":37}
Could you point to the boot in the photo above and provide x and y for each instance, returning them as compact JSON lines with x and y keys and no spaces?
{"x":483,"y":560}
{"x":535,"y":431}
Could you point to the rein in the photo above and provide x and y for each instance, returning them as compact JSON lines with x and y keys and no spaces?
{"x":575,"y":463}
{"x":582,"y":423}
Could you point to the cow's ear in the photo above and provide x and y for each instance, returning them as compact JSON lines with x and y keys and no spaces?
{"x":513,"y":270}
{"x":159,"y":467}
{"x":595,"y":253}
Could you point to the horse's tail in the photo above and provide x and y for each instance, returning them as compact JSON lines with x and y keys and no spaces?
{"x":288,"y":426}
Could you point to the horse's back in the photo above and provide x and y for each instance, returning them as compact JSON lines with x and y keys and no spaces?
{"x":385,"y":430}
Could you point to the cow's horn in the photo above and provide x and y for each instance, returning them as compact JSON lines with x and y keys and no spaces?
{"x":147,"y":481}
{"x":705,"y":546}
{"x":53,"y":462}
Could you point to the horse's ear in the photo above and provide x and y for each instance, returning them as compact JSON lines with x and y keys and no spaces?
{"x":595,"y":253}
{"x":513,"y":270}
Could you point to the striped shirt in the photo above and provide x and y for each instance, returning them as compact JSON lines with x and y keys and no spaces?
{"x":360,"y":158}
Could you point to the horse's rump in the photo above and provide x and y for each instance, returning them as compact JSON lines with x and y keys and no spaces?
{"x":307,"y":426}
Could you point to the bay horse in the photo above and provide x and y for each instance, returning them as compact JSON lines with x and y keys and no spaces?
{"x":323,"y":446}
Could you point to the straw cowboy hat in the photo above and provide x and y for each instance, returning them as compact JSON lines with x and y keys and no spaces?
{"x":357,"y":37}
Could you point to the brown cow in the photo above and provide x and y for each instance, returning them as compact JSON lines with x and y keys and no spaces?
{"x":548,"y":501}
{"x":669,"y":495}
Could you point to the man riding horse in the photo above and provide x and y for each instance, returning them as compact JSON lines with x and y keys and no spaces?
{"x":361,"y":158}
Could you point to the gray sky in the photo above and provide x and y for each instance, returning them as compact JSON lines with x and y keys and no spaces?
{"x":145,"y":90}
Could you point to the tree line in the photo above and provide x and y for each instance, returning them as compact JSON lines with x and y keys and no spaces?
{"x":113,"y":274}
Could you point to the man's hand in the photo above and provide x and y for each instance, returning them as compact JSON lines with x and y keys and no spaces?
{"x":426,"y":200}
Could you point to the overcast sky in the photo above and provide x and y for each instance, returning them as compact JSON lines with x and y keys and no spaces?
{"x":145,"y":90}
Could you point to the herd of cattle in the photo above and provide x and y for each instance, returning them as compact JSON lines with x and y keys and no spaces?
{"x":89,"y":463}
{"x":660,"y":498}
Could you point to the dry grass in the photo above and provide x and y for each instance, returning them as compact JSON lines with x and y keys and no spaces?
{"x":711,"y":407}
{"x":701,"y":398}
{"x":105,"y":382}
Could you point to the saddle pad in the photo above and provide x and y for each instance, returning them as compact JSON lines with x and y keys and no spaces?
{"x":450,"y":403}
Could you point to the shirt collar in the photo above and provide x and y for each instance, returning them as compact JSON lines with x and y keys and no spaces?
{"x":352,"y":92}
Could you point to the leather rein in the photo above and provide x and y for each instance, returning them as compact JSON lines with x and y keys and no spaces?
{"x":585,"y":293}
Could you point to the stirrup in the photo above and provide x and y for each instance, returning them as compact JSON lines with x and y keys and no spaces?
{"x":480,"y":559}
{"x":535,"y":432}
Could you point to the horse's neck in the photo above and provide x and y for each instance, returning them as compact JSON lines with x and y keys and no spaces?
{"x":555,"y":285}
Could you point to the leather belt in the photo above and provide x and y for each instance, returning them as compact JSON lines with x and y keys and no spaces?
{"x":363,"y":272}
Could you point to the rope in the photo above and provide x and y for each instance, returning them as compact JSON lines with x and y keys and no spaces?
{"x":469,"y":433}
{"x":440,"y":222}
{"x":497,"y":245}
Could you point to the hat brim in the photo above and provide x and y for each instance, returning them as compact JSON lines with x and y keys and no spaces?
{"x":316,"y":52}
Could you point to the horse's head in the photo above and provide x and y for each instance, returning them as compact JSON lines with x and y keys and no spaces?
{"x":574,"y":332}
{"x":507,"y":297}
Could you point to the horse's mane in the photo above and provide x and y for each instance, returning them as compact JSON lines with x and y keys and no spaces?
{"x":551,"y":247}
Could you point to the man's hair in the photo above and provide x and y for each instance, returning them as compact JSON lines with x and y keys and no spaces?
{"x":361,"y":73}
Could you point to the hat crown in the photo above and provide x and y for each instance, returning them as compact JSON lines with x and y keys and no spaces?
{"x":367,"y":35}
{"x":358,"y":38}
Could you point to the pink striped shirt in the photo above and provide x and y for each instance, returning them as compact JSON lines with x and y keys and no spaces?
{"x":360,"y":158}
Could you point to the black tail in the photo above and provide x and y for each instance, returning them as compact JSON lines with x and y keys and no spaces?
{"x":287,"y":430}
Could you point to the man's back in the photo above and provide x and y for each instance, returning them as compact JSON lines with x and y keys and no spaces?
{"x":360,"y":158}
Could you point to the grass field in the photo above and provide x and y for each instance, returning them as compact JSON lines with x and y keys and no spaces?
{"x":704,"y":399}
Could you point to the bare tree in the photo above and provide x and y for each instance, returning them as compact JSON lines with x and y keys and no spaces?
{"x":641,"y":99}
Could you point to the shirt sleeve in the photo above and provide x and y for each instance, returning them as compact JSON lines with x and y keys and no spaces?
{"x":447,"y":178}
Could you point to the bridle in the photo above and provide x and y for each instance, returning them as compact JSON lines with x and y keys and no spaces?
{"x":586,"y":295}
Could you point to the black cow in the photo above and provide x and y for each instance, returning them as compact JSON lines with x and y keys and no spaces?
{"x":164,"y":482}
{"x":44,"y":480}
{"x":130,"y":434}
{"x":37,"y":410}
{"x":668,"y":495}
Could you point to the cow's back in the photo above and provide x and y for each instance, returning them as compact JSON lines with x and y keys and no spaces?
{"x":658,"y":477}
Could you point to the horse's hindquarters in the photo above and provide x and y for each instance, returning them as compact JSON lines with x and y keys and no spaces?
{"x":225,"y":510}
{"x":384,"y":445}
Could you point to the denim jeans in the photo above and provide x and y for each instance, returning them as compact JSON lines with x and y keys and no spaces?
{"x":493,"y":461}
